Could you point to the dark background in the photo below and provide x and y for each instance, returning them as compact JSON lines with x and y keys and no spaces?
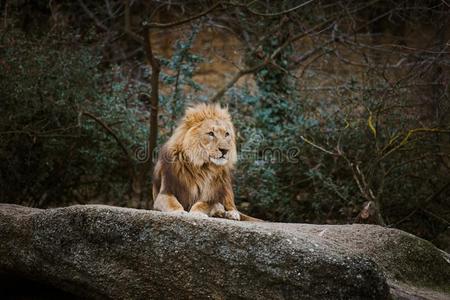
{"x":341,"y":107}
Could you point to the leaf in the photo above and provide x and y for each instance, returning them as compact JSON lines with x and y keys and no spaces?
{"x":370,"y":124}
{"x":347,"y":124}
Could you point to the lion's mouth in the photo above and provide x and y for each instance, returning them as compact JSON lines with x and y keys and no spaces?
{"x":219,"y":161}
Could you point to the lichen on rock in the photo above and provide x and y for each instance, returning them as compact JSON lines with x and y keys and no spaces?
{"x":104,"y":252}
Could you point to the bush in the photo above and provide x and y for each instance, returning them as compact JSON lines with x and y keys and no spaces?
{"x":320,"y":160}
{"x":51,"y":152}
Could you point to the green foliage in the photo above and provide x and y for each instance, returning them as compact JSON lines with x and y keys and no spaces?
{"x":180,"y":70}
{"x":50,"y":151}
{"x":63,"y":112}
{"x":332,"y":156}
{"x":316,"y":183}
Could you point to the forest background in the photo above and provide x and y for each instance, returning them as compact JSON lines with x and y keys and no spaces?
{"x":341,"y":107}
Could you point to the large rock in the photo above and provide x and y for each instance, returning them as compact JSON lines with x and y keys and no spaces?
{"x":116,"y":253}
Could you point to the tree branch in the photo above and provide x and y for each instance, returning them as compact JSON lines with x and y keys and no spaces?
{"x":215,"y":6}
{"x":267,"y":61}
{"x":235,"y":78}
{"x":277,"y":13}
{"x":184,"y":21}
{"x":92,"y":16}
{"x":110,"y":131}
{"x":424,"y":204}
{"x":317,"y":146}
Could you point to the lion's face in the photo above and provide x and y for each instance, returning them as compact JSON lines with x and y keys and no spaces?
{"x":211,"y":140}
{"x":217,"y":140}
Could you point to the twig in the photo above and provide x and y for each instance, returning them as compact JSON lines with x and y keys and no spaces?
{"x":110,"y":131}
{"x":207,"y":11}
{"x":92,"y":16}
{"x":408,"y":135}
{"x":184,"y":21}
{"x":235,"y":78}
{"x":363,"y":178}
{"x":266,"y":62}
{"x":317,"y":146}
{"x":424,"y":204}
{"x":277,"y":13}
{"x":436,"y":216}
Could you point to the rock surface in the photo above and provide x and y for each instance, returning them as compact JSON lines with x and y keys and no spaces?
{"x":104,"y":252}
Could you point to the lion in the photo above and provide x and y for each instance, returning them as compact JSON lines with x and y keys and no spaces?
{"x":193,"y":171}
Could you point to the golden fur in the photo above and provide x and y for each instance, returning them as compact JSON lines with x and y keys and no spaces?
{"x":193,"y":171}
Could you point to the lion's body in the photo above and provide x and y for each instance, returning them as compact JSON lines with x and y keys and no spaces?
{"x":193,"y":171}
{"x":189,"y":184}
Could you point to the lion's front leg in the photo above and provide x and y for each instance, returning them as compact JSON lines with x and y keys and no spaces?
{"x":167,"y":203}
{"x":231,"y":211}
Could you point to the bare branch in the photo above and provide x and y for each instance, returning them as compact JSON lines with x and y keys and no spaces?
{"x":184,"y":21}
{"x":266,"y":62}
{"x":92,"y":16}
{"x":235,"y":78}
{"x":217,"y":5}
{"x":317,"y":146}
{"x":424,"y":204}
{"x":110,"y":131}
{"x":277,"y":13}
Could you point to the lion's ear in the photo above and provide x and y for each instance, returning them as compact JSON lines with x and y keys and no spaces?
{"x":194,"y":114}
{"x":226,"y":108}
{"x":222,"y":111}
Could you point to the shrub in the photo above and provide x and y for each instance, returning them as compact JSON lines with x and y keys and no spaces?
{"x":51,"y":152}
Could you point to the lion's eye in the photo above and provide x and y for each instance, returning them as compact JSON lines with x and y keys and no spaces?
{"x":211,"y":133}
{"x":227,"y":133}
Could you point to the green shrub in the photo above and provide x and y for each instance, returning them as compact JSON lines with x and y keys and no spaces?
{"x":335,"y":157}
{"x":50,"y":152}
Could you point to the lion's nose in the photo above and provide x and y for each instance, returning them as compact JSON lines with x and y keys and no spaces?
{"x":224,"y":151}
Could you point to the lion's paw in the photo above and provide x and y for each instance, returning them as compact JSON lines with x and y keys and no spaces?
{"x":198,"y":214}
{"x":179,"y":212}
{"x":218,"y":211}
{"x":232,"y":215}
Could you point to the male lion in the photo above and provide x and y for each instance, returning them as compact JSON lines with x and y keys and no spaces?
{"x":193,"y":172}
